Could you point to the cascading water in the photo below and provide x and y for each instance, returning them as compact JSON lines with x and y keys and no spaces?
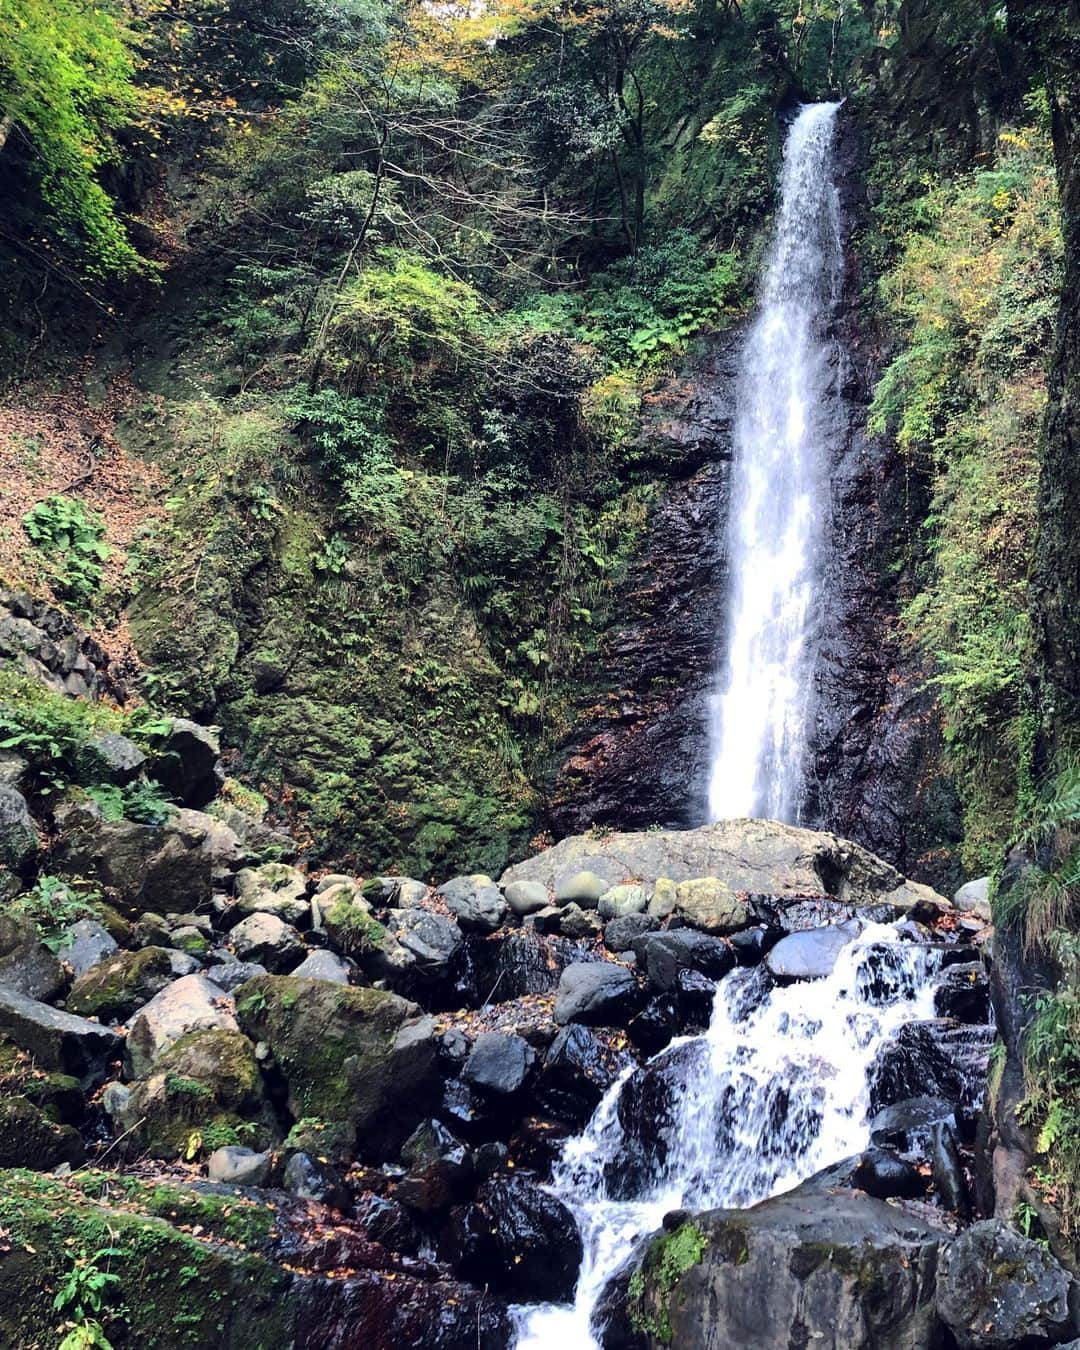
{"x":762,"y":708}
{"x":776,"y":1090}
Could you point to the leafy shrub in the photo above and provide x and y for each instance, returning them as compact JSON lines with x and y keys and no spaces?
{"x":72,"y":539}
{"x":54,"y":904}
{"x":143,"y":802}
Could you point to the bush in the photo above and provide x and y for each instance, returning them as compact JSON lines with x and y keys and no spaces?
{"x":72,"y":539}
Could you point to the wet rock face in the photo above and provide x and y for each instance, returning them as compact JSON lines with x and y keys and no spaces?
{"x":638,"y":752}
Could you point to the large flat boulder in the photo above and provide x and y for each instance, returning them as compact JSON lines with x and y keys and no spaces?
{"x":755,"y":857}
{"x":846,"y":1270}
{"x":191,"y":1003}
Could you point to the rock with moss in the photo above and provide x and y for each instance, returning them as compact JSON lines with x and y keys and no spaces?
{"x":28,"y":1138}
{"x":18,"y":834}
{"x":119,"y":986}
{"x":475,"y":902}
{"x":57,"y":1039}
{"x":187,"y":762}
{"x":361,"y":1060}
{"x":204,"y":1092}
{"x":851,"y":1271}
{"x":26,"y":964}
{"x":269,"y":941}
{"x":174,"y":866}
{"x":273,"y":888}
{"x":348,"y":922}
{"x":189,"y":1004}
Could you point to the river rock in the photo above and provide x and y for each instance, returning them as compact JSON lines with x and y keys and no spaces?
{"x":118,"y":987}
{"x":187,"y":763}
{"x":597,"y":993}
{"x":18,"y":834}
{"x":907,"y":1125}
{"x":440,"y":1169}
{"x":998,"y":1289}
{"x":499,"y":1063}
{"x":947,"y":1169}
{"x":974,"y":896}
{"x":310,"y":1178}
{"x":619,"y":934}
{"x":579,"y":1067}
{"x":709,"y":904}
{"x":361,"y":1060}
{"x":475,"y":902}
{"x":664,"y":954}
{"x":885,"y":1175}
{"x":320,"y":965}
{"x":750,"y":857}
{"x":58,"y":1040}
{"x":26,"y":964}
{"x":520,"y":1238}
{"x":85,"y":944}
{"x":809,"y":955}
{"x":268,"y":940}
{"x":119,"y":756}
{"x":939,"y":1058}
{"x":188,"y":1004}
{"x":963,"y":993}
{"x":583,"y":888}
{"x":575,"y":922}
{"x":850,"y":1272}
{"x":234,"y":1166}
{"x":619,"y":901}
{"x":28,"y":1138}
{"x":520,"y":963}
{"x":274,"y":888}
{"x":526,"y":897}
{"x":231,"y":974}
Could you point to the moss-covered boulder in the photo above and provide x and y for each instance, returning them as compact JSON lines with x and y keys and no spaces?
{"x":205,"y":1091}
{"x":28,"y":1138}
{"x":119,"y":986}
{"x":172,"y":1290}
{"x":361,"y":1061}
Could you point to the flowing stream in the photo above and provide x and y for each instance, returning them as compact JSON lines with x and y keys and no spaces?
{"x":775,"y":1090}
{"x":763,"y":704}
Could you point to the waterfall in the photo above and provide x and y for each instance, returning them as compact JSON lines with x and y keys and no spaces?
{"x":776,"y":1090}
{"x":763,"y":704}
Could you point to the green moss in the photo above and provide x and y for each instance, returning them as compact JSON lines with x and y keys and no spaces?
{"x":177,"y":1292}
{"x":653,"y":1285}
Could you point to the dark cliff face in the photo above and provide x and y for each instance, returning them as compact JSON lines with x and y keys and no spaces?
{"x":638,"y":754}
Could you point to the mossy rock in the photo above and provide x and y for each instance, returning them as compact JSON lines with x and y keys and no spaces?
{"x":174,"y":1292}
{"x":360,"y":1060}
{"x":119,"y":986}
{"x":205,"y":1091}
{"x":28,"y":1138}
{"x":57,"y":1096}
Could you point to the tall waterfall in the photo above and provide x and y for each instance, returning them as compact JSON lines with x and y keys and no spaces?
{"x":763,"y":704}
{"x":776,"y":1090}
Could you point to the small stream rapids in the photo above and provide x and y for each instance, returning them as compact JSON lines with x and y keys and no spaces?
{"x":775,"y":1090}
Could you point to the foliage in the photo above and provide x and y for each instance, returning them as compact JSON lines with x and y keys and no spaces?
{"x":975,"y":291}
{"x":143,"y":802}
{"x":72,"y":539}
{"x":52,"y":733}
{"x":54,"y":903}
{"x":83,"y":1295}
{"x":67,"y":85}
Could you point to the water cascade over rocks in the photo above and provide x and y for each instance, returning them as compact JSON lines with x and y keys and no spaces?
{"x":762,"y":707}
{"x":776,"y":1090}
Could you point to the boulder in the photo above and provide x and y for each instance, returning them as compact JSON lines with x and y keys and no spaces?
{"x":597,"y":993}
{"x":575,"y":922}
{"x":963,"y":993}
{"x":173,"y":866}
{"x":974,"y":897}
{"x":85,"y":944}
{"x":619,"y":901}
{"x":753,"y":857}
{"x":666,"y":953}
{"x":118,"y":987}
{"x":268,"y":940}
{"x":520,"y":1238}
{"x":361,"y":1060}
{"x":440,"y":1169}
{"x":58,"y":1040}
{"x":499,"y":1063}
{"x":188,"y":1004}
{"x":619,"y":934}
{"x":187,"y":763}
{"x":320,"y":965}
{"x":18,"y":833}
{"x":230,"y":975}
{"x":120,"y":758}
{"x":998,"y":1289}
{"x":809,"y":955}
{"x":519,"y":963}
{"x":526,"y":897}
{"x":235,"y":1166}
{"x":583,"y":888}
{"x":907,"y":1125}
{"x":26,"y":964}
{"x":273,"y":888}
{"x":310,"y":1178}
{"x":579,"y":1067}
{"x":475,"y":902}
{"x":847,"y":1271}
{"x":206,"y":1084}
{"x":938,"y":1058}
{"x":885,"y":1175}
{"x":28,"y":1138}
{"x":709,"y":904}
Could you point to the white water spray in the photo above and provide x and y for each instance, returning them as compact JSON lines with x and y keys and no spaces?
{"x":776,"y":1090}
{"x":763,"y":704}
